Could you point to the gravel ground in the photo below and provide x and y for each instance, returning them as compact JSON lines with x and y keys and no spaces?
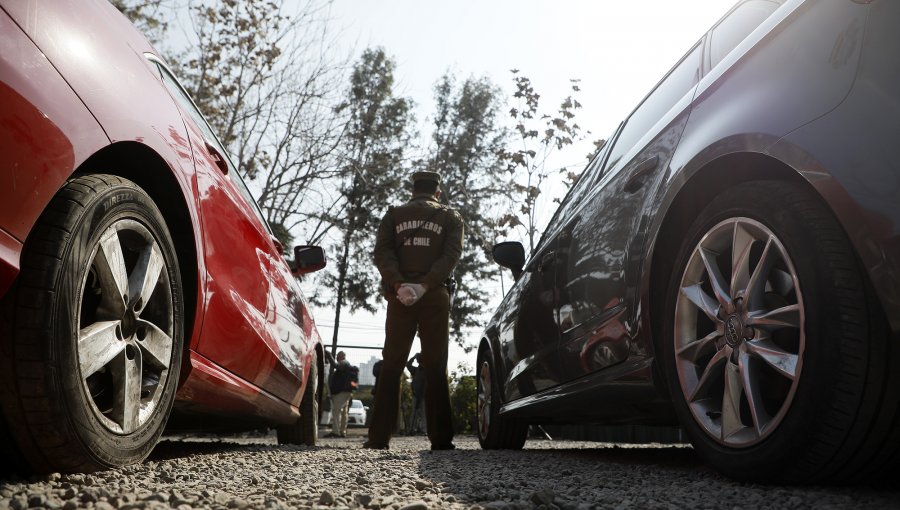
{"x":239,"y":473}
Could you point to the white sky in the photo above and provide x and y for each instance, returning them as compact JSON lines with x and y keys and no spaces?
{"x":619,"y":50}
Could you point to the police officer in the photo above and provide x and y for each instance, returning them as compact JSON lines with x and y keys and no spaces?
{"x":418,"y":245}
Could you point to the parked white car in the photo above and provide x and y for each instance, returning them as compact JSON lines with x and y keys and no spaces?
{"x":357,"y":414}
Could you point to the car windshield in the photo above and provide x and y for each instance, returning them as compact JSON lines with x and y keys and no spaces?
{"x":356,"y":403}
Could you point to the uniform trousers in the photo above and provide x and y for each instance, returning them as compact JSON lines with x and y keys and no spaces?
{"x":339,"y":403}
{"x":429,"y":316}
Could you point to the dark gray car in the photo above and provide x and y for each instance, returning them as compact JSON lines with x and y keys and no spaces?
{"x":730,"y":260}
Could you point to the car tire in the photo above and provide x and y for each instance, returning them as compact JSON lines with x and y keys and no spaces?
{"x":97,"y":329}
{"x":306,"y":429}
{"x":781,"y":371}
{"x":495,"y":432}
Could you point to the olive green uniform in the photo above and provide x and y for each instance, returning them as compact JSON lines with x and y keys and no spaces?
{"x":418,"y":242}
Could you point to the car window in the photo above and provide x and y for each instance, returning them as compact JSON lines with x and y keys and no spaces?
{"x":576,"y":191}
{"x":672,"y":88}
{"x":589,"y":177}
{"x":188,"y":105}
{"x":356,"y":403}
{"x":737,"y":26}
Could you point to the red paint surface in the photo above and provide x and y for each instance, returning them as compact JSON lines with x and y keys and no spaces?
{"x":74,"y":79}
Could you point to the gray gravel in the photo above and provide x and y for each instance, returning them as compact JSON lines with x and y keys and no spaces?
{"x":257,"y":473}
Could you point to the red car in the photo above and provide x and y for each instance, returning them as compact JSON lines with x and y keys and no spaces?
{"x":137,"y":274}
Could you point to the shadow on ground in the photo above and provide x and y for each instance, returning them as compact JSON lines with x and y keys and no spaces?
{"x":169,"y":449}
{"x":640,"y":476}
{"x":664,"y":456}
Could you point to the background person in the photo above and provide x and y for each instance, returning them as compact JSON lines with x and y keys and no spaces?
{"x":344,"y":380}
{"x":418,"y":394}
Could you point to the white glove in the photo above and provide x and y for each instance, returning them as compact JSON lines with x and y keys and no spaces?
{"x":409,"y":293}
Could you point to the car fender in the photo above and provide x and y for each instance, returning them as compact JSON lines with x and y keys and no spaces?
{"x":733,"y":116}
{"x":863,"y":210}
{"x":45,"y":133}
{"x":92,"y":66}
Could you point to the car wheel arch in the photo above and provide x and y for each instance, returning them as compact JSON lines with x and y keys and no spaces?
{"x":485,"y":345}
{"x":679,"y":209}
{"x":491,"y":345}
{"x":146,"y":168}
{"x":320,"y":364}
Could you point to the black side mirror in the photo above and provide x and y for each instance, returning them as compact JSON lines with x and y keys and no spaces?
{"x":511,"y":255}
{"x":308,"y":259}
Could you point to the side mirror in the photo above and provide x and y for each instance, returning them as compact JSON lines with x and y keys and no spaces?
{"x":511,"y":255}
{"x":308,"y":259}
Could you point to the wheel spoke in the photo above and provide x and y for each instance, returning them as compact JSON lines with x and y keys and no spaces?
{"x":112,"y":273}
{"x":756,"y":286}
{"x":751,"y":392}
{"x":701,"y":300}
{"x":731,"y":402}
{"x":98,"y":345}
{"x":146,"y":274}
{"x":741,"y":243}
{"x":155,"y":344}
{"x":716,"y":280}
{"x":784,"y":317}
{"x":712,"y":372}
{"x":126,"y":373}
{"x":779,"y":359}
{"x":781,"y":282}
{"x":698,"y":348}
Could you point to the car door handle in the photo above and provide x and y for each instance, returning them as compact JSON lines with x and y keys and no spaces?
{"x":638,"y":175}
{"x":218,"y":158}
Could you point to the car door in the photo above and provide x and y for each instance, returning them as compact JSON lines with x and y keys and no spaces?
{"x":602,"y":241}
{"x":250,"y":326}
{"x":529,"y":341}
{"x":529,"y":327}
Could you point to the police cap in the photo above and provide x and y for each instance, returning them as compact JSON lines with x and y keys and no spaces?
{"x":427,"y":176}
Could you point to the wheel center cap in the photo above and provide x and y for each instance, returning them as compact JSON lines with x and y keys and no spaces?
{"x":129,"y":324}
{"x":733,"y":330}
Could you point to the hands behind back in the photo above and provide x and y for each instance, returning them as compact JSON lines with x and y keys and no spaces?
{"x":410,"y":293}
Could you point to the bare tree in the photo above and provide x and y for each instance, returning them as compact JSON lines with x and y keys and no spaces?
{"x":302,"y":141}
{"x":537,"y":137}
{"x":268,"y":79}
{"x":149,"y":16}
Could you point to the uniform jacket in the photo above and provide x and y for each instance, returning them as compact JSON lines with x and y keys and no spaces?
{"x":418,"y":242}
{"x":343,"y":378}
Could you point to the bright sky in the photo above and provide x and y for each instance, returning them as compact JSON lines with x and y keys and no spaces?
{"x":619,"y":50}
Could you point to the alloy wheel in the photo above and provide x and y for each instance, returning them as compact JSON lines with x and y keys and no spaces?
{"x":739,"y":332}
{"x":125,"y":330}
